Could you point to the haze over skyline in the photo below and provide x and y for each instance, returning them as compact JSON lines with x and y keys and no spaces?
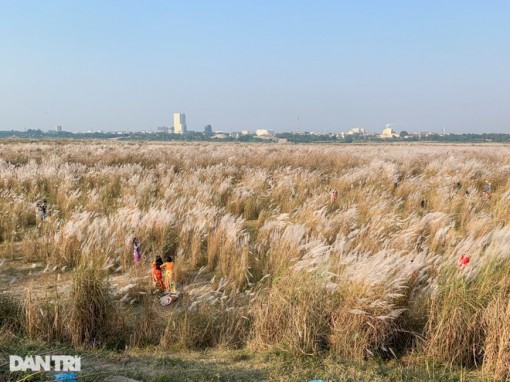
{"x":335,"y":65}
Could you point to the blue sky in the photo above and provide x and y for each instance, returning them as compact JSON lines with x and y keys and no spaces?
{"x":128,"y":65}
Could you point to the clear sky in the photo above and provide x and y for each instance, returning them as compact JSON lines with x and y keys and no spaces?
{"x":419,"y":65}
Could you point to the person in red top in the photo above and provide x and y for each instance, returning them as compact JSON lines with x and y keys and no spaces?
{"x":463,"y":261}
{"x":157,"y":275}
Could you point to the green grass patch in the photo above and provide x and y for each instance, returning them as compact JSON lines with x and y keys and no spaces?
{"x":151,"y":364}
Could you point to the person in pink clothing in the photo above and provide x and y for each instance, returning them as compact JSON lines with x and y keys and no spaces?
{"x":136,"y":251}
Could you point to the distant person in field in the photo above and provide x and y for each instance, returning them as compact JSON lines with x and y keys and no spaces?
{"x":43,"y":209}
{"x":463,"y":261}
{"x":487,"y":188}
{"x":136,"y":250}
{"x":334,"y":195}
{"x":157,"y":275}
{"x":457,"y":186}
{"x":169,"y":274}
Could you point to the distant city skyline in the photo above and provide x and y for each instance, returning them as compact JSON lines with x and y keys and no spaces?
{"x":325,"y":66}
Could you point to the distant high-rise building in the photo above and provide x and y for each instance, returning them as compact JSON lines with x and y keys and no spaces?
{"x":58,"y":129}
{"x":179,"y":123}
{"x":208,"y":129}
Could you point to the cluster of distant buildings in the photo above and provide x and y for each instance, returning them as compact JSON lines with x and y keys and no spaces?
{"x":180,"y":127}
{"x":387,"y":133}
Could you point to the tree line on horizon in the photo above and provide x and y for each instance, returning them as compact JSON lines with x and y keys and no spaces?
{"x":288,"y":136}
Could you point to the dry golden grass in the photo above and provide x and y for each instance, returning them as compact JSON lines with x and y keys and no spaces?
{"x":91,"y":313}
{"x":44,"y":318}
{"x":263,"y":254}
{"x":293,"y":315}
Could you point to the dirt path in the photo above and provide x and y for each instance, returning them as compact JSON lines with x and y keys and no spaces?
{"x":17,"y":277}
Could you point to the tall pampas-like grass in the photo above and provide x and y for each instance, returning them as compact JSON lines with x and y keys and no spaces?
{"x":92,"y":313}
{"x":293,"y":315}
{"x":266,"y":256}
{"x":44,"y":317}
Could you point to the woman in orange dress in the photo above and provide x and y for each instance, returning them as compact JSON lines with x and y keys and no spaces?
{"x":169,"y":274}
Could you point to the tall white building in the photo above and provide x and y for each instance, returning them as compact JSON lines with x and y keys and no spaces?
{"x":179,"y":123}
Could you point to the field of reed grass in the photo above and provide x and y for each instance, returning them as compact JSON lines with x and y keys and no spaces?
{"x":265,"y":257}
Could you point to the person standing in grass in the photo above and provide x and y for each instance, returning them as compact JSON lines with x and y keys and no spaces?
{"x":157,"y":275}
{"x":487,"y":188}
{"x":136,"y":250}
{"x":43,"y":209}
{"x":334,"y":195}
{"x":169,"y":274}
